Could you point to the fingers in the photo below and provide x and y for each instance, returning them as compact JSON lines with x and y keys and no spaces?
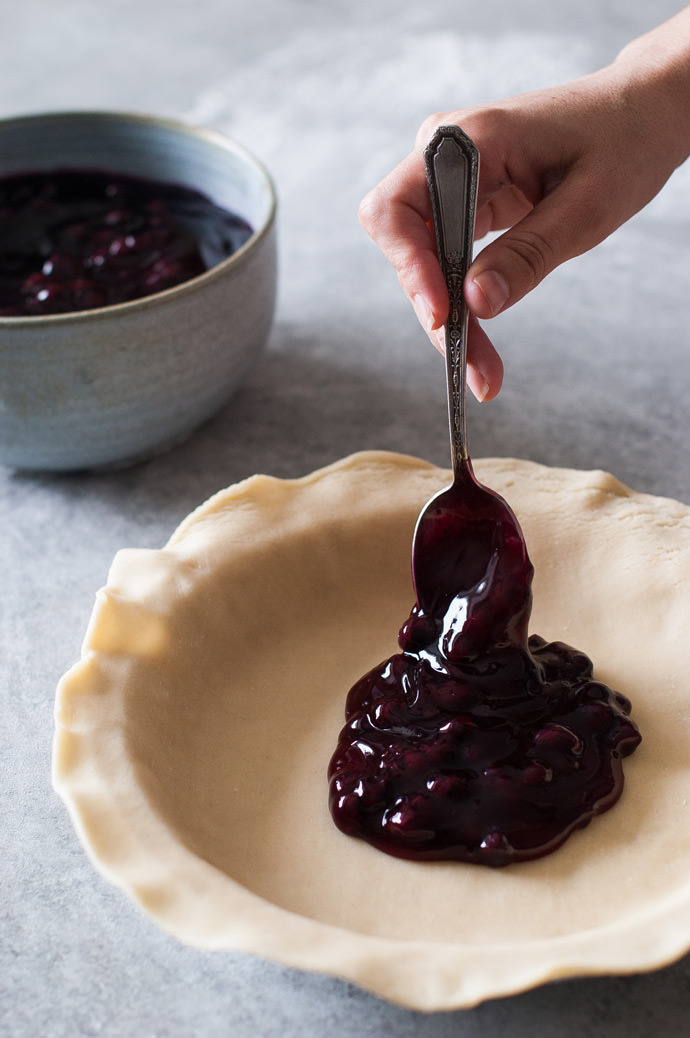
{"x":559,"y":169}
{"x":504,"y":209}
{"x":565,"y":223}
{"x":397,"y":215}
{"x":484,"y":365}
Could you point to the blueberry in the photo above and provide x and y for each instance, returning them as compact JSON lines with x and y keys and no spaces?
{"x":110,"y":239}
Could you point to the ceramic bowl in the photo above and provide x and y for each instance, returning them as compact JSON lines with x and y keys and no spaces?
{"x":116,"y":384}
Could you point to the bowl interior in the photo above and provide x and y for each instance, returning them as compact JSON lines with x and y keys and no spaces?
{"x":148,"y":147}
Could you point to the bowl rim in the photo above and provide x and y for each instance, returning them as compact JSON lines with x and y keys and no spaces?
{"x":211,"y":136}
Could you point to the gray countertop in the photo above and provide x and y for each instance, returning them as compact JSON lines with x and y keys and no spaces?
{"x":329,"y":95}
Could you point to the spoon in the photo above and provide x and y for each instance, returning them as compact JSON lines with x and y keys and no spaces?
{"x":470,"y":568}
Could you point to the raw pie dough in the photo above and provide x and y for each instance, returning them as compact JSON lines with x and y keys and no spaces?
{"x":193,"y":737}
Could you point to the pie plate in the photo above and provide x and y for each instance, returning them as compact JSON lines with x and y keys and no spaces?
{"x":193,"y":736}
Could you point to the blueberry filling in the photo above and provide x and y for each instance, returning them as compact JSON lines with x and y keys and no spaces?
{"x":74,"y":240}
{"x":475,"y":742}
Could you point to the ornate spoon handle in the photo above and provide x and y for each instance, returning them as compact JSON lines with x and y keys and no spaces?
{"x":452,"y":170}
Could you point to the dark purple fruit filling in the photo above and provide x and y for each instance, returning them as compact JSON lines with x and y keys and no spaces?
{"x":476,"y":743}
{"x":75,"y":240}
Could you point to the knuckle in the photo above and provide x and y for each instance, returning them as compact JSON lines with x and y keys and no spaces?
{"x":428,"y":127}
{"x":370,"y":209}
{"x":408,"y":271}
{"x":534,"y":253}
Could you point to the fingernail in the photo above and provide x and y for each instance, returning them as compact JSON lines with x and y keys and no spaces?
{"x":479,"y":388}
{"x":494,"y":288}
{"x":438,"y":339}
{"x":424,"y":313}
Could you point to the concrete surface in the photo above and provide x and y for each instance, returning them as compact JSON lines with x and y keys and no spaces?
{"x":329,"y":95}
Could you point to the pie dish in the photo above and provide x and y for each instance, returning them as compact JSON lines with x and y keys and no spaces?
{"x":193,"y":736}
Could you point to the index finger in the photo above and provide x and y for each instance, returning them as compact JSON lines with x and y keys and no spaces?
{"x":397,"y":215}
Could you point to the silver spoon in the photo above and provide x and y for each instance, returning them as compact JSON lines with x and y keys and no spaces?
{"x":471,"y":573}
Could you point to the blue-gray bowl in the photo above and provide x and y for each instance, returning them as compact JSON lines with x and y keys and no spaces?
{"x":119,"y":383}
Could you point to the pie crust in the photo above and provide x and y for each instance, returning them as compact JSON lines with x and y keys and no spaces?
{"x":193,"y":737}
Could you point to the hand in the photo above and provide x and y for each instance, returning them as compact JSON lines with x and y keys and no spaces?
{"x":560,"y":168}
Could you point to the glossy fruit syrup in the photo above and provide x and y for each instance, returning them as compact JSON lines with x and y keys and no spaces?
{"x":74,"y":240}
{"x":476,"y":742}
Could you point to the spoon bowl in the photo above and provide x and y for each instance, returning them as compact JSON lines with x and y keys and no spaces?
{"x":471,"y":571}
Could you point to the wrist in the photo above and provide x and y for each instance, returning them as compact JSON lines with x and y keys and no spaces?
{"x":656,"y":68}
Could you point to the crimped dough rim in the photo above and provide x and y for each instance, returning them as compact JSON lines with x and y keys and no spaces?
{"x":160,"y":745}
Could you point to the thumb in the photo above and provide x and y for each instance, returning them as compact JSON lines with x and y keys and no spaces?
{"x":563,"y":224}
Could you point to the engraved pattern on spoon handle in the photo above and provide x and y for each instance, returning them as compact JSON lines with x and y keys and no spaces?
{"x":452,"y":169}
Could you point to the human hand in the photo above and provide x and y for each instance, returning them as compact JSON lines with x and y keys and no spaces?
{"x":560,"y":169}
